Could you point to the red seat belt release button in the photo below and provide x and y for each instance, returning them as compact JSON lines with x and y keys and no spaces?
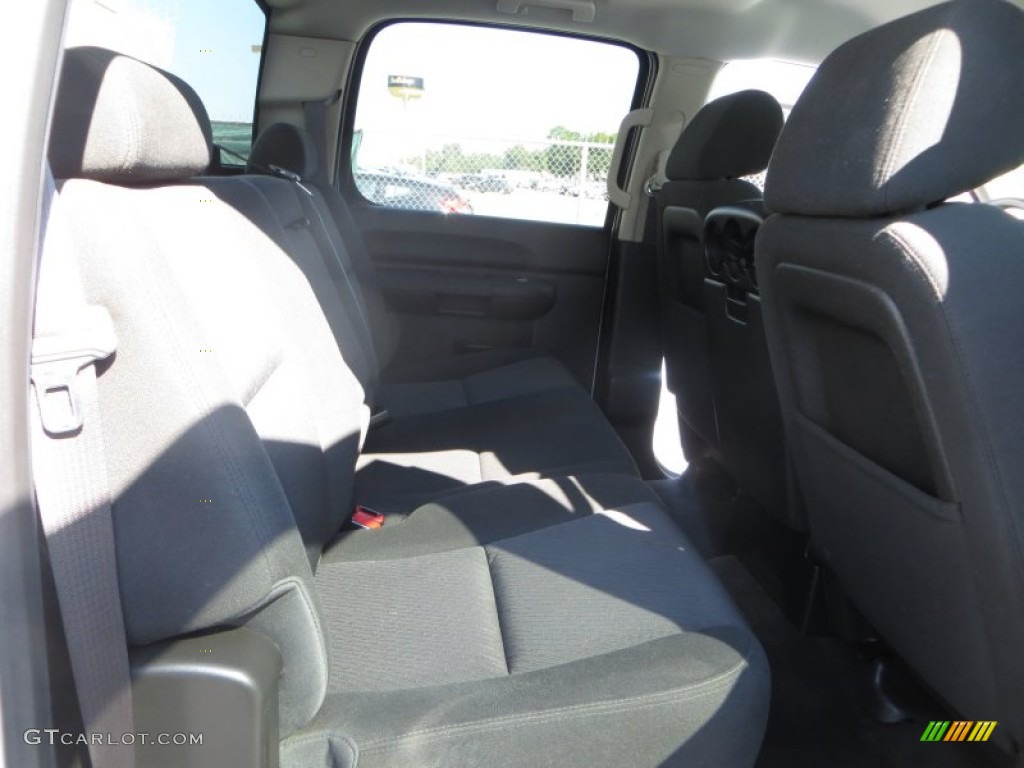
{"x":367,"y":518}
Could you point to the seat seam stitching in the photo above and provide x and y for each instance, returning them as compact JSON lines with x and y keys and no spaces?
{"x":269,"y":206}
{"x":632,"y":703}
{"x":905,"y":109}
{"x":497,"y":610}
{"x":262,"y":378}
{"x":256,"y":528}
{"x":320,"y":736}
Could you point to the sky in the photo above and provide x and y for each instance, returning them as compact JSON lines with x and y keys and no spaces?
{"x":225,"y":78}
{"x":208,"y":43}
{"x":782,"y":79}
{"x":495,"y":83}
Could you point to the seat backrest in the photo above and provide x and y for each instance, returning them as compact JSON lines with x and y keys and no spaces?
{"x":749,"y":419}
{"x":895,"y":328}
{"x":728,"y":138}
{"x":283,"y":146}
{"x":232,"y":422}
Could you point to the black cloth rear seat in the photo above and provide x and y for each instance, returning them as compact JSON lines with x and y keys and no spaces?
{"x":233,"y":426}
{"x":490,"y":416}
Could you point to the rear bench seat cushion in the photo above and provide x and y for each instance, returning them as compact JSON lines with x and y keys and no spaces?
{"x":488,"y":512}
{"x":520,"y":374}
{"x":557,"y":647}
{"x":457,"y":421}
{"x":408,"y":462}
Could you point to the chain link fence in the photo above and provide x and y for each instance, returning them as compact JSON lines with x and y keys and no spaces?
{"x":560,"y":179}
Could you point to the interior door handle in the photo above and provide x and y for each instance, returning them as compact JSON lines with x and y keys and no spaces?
{"x":638,"y":118}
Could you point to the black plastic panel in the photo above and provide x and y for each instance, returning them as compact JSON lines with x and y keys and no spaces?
{"x":751,"y":434}
{"x":631,"y":383}
{"x":223,"y":686}
{"x":440,"y":292}
{"x":459,"y":283}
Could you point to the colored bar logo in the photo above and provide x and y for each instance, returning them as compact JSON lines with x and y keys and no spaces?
{"x":959,"y":730}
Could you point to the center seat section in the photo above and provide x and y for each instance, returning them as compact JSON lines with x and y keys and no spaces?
{"x":404,"y":389}
{"x":399,"y":484}
{"x":419,"y":470}
{"x":524,"y":419}
{"x":232,"y":424}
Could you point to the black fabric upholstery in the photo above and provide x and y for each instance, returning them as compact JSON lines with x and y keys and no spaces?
{"x":639,"y":604}
{"x":631,"y":586}
{"x":747,"y":414}
{"x":407,"y":462}
{"x":686,"y":693}
{"x":412,"y":609}
{"x":729,"y":137}
{"x":285,"y":146}
{"x":487,"y":512}
{"x":937,"y":478}
{"x":682,"y":208}
{"x":290,"y":148}
{"x":716,"y":359}
{"x":214,"y":456}
{"x":512,"y":378}
{"x":234,"y":420}
{"x":906,"y":115}
{"x":481,"y":382}
{"x":457,"y":367}
{"x":124,"y":121}
{"x":895,"y":342}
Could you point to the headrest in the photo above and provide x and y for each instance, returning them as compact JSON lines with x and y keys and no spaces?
{"x":729,"y":137}
{"x":906,"y":115}
{"x":118,"y":119}
{"x":285,"y":146}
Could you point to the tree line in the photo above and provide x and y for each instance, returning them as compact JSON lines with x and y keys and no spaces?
{"x":562,"y":160}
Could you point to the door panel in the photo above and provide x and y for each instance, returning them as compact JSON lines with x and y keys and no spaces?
{"x":460,"y":283}
{"x":449,"y":292}
{"x":477,"y":159}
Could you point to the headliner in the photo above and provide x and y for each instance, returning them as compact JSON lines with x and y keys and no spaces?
{"x":722,"y":30}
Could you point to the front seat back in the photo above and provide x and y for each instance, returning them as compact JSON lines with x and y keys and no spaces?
{"x":896,"y":332}
{"x":728,"y":138}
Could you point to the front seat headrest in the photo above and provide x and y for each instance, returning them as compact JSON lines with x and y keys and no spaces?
{"x":729,"y":137}
{"x":118,"y":119}
{"x":284,"y":146}
{"x":906,"y":115}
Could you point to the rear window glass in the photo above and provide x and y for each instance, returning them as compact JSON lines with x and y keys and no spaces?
{"x":784,"y":80}
{"x":467,"y":119}
{"x":1009,"y":185}
{"x":213,"y":45}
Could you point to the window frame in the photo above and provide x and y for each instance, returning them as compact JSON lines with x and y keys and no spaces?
{"x":217,"y":165}
{"x":344,"y":179}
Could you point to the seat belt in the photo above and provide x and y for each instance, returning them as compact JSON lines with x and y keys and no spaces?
{"x":72,"y":493}
{"x":314,"y":114}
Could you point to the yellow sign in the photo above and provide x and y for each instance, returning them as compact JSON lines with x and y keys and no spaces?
{"x":405,"y":87}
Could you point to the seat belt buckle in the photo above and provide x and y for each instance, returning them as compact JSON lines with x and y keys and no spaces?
{"x":367,"y":518}
{"x":58,"y":359}
{"x":284,"y":173}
